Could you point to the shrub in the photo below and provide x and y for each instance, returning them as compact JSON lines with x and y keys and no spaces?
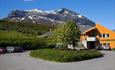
{"x":113,"y":49}
{"x":65,"y":55}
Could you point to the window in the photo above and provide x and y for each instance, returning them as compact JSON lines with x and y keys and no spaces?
{"x":107,"y":35}
{"x":100,"y":35}
{"x":104,"y":43}
{"x":101,"y":44}
{"x":108,"y":44}
{"x":103,"y":35}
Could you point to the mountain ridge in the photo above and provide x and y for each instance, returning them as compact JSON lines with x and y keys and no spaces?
{"x":60,"y":15}
{"x":50,"y":17}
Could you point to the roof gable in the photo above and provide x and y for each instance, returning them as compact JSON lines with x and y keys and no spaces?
{"x":103,"y":29}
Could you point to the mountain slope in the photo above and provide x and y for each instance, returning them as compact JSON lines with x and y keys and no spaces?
{"x":48,"y":17}
{"x":26,"y":28}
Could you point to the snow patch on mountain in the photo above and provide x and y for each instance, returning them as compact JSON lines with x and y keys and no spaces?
{"x":30,"y":17}
{"x":80,"y":16}
{"x":35,"y":10}
{"x":22,"y":19}
{"x":66,"y":12}
{"x":51,"y":12}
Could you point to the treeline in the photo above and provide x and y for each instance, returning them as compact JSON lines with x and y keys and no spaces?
{"x":13,"y":38}
{"x":28,"y":28}
{"x":25,"y":43}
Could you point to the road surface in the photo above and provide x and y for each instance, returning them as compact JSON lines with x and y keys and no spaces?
{"x":22,"y":61}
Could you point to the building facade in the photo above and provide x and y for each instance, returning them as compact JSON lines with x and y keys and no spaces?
{"x":98,"y":36}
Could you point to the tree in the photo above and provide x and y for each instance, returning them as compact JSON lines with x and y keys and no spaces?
{"x":66,"y":34}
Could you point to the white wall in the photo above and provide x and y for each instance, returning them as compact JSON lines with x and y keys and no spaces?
{"x":84,"y":43}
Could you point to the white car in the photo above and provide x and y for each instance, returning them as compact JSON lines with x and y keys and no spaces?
{"x":106,"y":47}
{"x":10,"y":49}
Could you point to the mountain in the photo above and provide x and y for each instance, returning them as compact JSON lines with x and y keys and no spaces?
{"x":49,"y":17}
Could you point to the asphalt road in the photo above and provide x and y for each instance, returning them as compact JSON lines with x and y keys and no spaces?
{"x":22,"y":61}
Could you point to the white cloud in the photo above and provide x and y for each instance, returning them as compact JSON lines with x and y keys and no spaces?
{"x":28,"y":0}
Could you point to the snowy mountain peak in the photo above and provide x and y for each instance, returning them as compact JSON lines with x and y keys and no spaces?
{"x":63,"y":10}
{"x":36,"y":10}
{"x":48,"y":17}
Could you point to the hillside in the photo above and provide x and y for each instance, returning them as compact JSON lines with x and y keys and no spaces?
{"x":27,"y":28}
{"x":12,"y":35}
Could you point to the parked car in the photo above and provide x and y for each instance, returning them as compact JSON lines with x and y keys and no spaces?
{"x":106,"y":47}
{"x":99,"y":48}
{"x":10,"y":49}
{"x":18,"y":49}
{"x":103,"y":48}
{"x":2,"y":50}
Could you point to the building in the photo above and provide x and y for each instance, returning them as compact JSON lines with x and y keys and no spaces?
{"x":98,"y":36}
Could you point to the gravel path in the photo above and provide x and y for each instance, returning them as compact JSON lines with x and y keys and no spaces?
{"x":22,"y":61}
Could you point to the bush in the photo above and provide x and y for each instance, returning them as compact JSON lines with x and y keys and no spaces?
{"x":65,"y":55}
{"x":113,"y":49}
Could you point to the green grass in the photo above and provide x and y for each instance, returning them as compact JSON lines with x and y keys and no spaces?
{"x":65,"y":55}
{"x":13,"y":35}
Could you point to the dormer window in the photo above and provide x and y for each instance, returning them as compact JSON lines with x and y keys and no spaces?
{"x":107,"y":35}
{"x":103,"y":35}
{"x":100,"y":35}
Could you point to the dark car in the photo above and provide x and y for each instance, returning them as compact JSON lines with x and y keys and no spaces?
{"x":18,"y":49}
{"x":103,"y":48}
{"x":11,"y":49}
{"x":99,"y":48}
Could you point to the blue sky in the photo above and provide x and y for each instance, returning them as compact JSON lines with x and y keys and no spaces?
{"x":99,"y":11}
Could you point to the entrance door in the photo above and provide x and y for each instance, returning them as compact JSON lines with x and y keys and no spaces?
{"x":91,"y":44}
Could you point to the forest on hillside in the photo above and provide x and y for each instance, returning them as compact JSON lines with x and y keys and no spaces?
{"x":27,"y":28}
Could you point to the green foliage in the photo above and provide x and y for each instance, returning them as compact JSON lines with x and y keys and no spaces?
{"x":65,"y":55}
{"x":28,"y":28}
{"x":113,"y":49}
{"x":65,"y":34}
{"x":13,"y":38}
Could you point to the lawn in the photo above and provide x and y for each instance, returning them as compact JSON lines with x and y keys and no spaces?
{"x":65,"y":55}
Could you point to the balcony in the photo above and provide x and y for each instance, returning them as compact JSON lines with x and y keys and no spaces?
{"x":91,"y":39}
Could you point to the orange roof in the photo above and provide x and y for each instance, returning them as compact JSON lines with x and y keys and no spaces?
{"x":100,"y":28}
{"x":103,"y":29}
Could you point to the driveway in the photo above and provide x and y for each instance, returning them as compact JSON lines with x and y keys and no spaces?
{"x":22,"y":61}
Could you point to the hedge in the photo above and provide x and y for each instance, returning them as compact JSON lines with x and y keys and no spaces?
{"x":26,"y":43}
{"x":65,"y":55}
